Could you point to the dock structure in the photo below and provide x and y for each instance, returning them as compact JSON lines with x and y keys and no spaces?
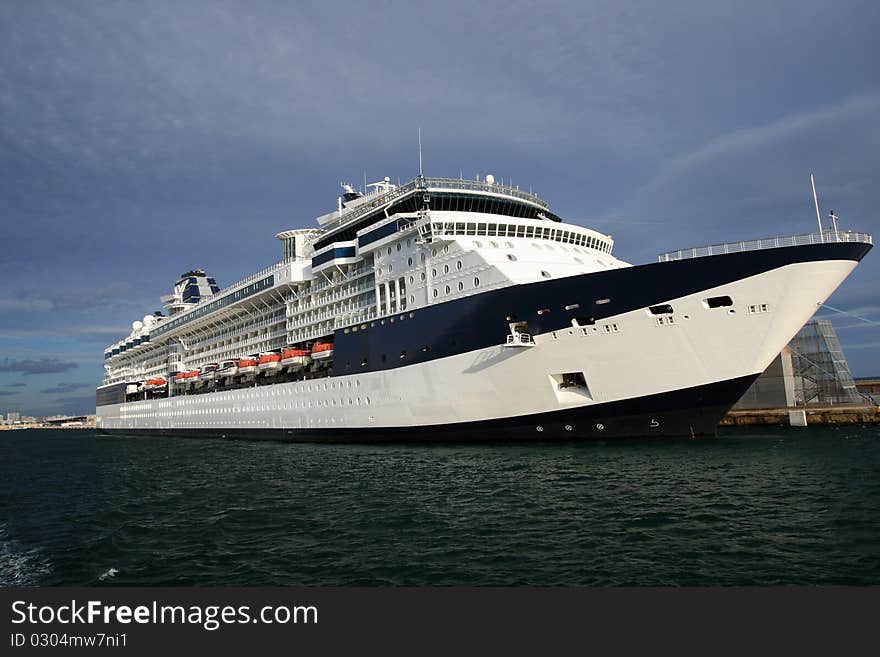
{"x":808,"y":383}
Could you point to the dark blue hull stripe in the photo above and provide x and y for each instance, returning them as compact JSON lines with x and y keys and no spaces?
{"x":480,"y":321}
{"x":689,"y":412}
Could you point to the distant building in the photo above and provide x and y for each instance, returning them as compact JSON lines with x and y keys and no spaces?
{"x":810,"y":371}
{"x":12,"y":417}
{"x":869,"y":387}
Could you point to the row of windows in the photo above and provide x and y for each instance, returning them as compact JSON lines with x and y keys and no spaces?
{"x":517,"y":230}
{"x":448,"y":289}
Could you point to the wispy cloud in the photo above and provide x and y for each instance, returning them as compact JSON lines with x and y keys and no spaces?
{"x":62,"y":388}
{"x":36,"y":366}
{"x":8,"y":393}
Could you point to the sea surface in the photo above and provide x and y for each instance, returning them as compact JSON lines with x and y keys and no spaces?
{"x":760,"y":507}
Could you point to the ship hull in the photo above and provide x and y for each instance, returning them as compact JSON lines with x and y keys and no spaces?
{"x":603,"y":364}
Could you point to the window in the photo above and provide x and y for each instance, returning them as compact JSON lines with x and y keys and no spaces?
{"x":460,"y":286}
{"x":445,"y":269}
{"x":545,"y":274}
{"x":476,"y":282}
{"x":509,"y":245}
{"x":433,"y":273}
{"x":435,"y":293}
{"x":662,"y":309}
{"x":448,"y":289}
{"x":409,"y":261}
{"x":718,"y":302}
{"x":511,"y":257}
{"x":458,"y":265}
{"x":398,"y":246}
{"x":389,"y":250}
{"x":422,"y":276}
{"x":494,"y":245}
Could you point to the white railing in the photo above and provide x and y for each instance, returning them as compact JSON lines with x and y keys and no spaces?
{"x":825,"y":237}
{"x":378,"y":199}
{"x":520,"y":340}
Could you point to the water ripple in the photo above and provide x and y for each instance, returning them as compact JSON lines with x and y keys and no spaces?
{"x":769,"y":508}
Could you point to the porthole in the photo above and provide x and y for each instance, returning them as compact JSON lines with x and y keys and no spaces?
{"x":460,"y":286}
{"x":545,"y":274}
{"x":434,"y":252}
{"x":409,"y":242}
{"x":494,"y":245}
{"x":458,"y":265}
{"x":448,"y":289}
{"x":389,"y":250}
{"x":433,"y":273}
{"x":412,"y":299}
{"x":511,"y":257}
{"x":411,"y":279}
{"x":423,"y":257}
{"x":446,"y":249}
{"x":409,"y":261}
{"x":390,"y":268}
{"x":435,"y":293}
{"x":445,"y":269}
{"x":509,"y":245}
{"x":398,"y":246}
{"x":476,"y":282}
{"x":422,"y":276}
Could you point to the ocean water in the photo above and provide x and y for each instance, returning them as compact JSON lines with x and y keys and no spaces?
{"x":764,"y":507}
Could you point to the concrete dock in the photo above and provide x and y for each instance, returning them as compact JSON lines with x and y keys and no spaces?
{"x":815,"y":415}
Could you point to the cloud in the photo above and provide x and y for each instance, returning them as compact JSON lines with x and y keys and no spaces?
{"x":40,"y":300}
{"x":8,"y":393}
{"x":17,"y":384}
{"x":739,"y":143}
{"x":62,"y":388}
{"x":29,"y":366}
{"x":83,"y":405}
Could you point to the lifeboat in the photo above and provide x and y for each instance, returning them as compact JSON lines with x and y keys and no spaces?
{"x":192,"y":376}
{"x":180,"y":377}
{"x":322,"y":350}
{"x":155,"y":384}
{"x":228,"y":368}
{"x":247,"y":365}
{"x":207,"y":372}
{"x":295,"y":358}
{"x":270,"y":362}
{"x":132,"y":389}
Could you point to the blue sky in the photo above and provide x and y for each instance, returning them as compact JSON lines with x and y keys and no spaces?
{"x":138,"y":140}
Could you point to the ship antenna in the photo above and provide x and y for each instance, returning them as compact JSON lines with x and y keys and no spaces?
{"x":816,"y":201}
{"x":421,"y":175}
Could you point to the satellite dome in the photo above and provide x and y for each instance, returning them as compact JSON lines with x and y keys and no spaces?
{"x":136,"y":326}
{"x":490,"y":179}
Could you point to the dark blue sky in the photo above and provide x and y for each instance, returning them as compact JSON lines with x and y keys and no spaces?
{"x":139,"y":139}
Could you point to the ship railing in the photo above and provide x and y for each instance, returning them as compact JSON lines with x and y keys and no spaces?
{"x":825,"y":237}
{"x":517,"y":339}
{"x":380,"y":198}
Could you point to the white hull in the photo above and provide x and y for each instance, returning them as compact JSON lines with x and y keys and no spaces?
{"x":638,"y":359}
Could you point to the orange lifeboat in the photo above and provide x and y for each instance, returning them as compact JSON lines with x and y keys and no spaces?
{"x":295,"y":358}
{"x":151,"y":384}
{"x":247,"y":365}
{"x":180,"y":377}
{"x":269,"y":362}
{"x":322,"y":350}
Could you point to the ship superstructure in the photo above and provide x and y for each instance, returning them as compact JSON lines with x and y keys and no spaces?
{"x":443,"y":306}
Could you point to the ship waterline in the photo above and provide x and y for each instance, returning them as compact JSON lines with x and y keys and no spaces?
{"x":425,"y":312}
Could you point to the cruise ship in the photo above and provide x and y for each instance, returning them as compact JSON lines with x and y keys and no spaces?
{"x":464,"y":310}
